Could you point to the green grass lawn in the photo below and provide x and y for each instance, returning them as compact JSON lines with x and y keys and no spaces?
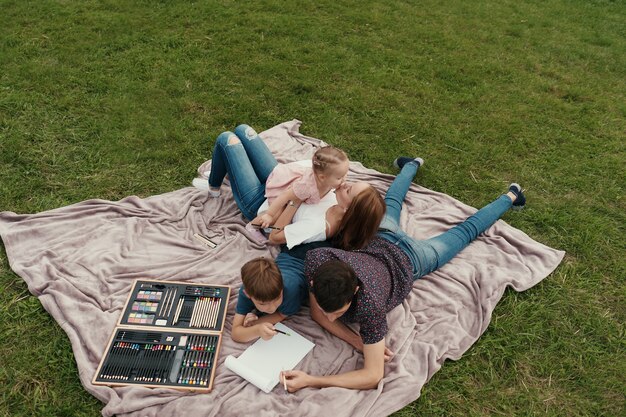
{"x":114,"y":98}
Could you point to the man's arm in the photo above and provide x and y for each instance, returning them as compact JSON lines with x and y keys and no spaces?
{"x":366,"y":378}
{"x":263,"y":327}
{"x":336,"y":327}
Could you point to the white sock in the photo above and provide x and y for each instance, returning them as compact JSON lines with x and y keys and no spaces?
{"x":202,"y":184}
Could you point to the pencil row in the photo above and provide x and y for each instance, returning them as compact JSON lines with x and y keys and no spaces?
{"x":136,"y":362}
{"x":198,"y":359}
{"x":166,"y":306}
{"x":137,"y":336}
{"x":206,"y":311}
{"x":203,"y":312}
{"x":203,"y":291}
{"x":195,"y":376}
{"x":199,"y":342}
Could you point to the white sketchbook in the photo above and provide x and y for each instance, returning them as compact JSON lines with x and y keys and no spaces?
{"x":262,"y":362}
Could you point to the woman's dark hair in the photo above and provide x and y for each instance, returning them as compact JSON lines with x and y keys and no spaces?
{"x":334,"y":284}
{"x":360,"y":222}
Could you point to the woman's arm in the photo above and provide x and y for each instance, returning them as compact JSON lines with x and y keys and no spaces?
{"x":277,"y":237}
{"x":275,"y":209}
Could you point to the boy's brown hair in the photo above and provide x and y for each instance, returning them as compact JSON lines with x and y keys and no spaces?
{"x":262,"y":279}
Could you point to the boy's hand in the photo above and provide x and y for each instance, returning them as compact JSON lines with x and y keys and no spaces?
{"x":250,"y":319}
{"x":266,"y":331}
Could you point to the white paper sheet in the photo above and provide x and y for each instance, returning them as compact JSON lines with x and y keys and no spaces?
{"x":262,"y":362}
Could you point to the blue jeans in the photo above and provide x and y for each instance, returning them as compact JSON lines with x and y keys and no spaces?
{"x":248,"y":163}
{"x":429,"y":255}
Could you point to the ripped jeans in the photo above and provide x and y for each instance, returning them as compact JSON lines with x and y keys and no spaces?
{"x":248,"y":162}
{"x":430,"y":254}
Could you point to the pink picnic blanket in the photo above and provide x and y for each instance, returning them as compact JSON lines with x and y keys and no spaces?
{"x":81,"y":260}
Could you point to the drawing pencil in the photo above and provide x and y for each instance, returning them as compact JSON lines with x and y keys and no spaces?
{"x":205,"y":240}
{"x":258,"y":226}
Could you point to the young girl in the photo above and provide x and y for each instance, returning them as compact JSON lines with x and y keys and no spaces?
{"x":300,"y":182}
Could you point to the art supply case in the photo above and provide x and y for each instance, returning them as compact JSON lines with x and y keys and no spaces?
{"x":168,"y":336}
{"x":179,"y":305}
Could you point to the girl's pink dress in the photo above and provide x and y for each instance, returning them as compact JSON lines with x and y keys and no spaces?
{"x":301,"y":178}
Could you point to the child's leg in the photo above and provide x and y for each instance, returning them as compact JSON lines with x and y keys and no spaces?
{"x":395,"y":195}
{"x":259,"y":154}
{"x":448,"y":244}
{"x":230,"y":157}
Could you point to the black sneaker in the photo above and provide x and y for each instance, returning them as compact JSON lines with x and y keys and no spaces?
{"x":403,"y":160}
{"x":520,"y":201}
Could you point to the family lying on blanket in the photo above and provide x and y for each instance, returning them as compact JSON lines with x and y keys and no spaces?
{"x":345,"y":251}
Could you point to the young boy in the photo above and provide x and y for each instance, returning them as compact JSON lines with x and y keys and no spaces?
{"x":276,"y":288}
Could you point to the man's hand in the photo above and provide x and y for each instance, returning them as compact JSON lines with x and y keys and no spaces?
{"x":296,"y":380}
{"x":250,"y":319}
{"x":367,"y":377}
{"x":388,"y":354}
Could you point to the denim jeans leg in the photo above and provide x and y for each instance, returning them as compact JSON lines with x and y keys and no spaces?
{"x":262,"y":159}
{"x":231,"y":158}
{"x":219,"y":169}
{"x":448,"y":244}
{"x":395,"y":195}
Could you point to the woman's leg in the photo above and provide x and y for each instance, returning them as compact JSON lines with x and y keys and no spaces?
{"x":429,"y":255}
{"x":259,"y":154}
{"x":396,"y":193}
{"x":230,"y":157}
{"x":448,"y":244}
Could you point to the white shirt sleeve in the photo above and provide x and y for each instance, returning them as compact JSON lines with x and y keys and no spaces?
{"x":305,"y":231}
{"x":309,"y":222}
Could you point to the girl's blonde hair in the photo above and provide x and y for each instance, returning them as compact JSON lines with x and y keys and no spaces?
{"x":327,"y":156}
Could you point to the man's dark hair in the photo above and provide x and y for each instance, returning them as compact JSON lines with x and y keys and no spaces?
{"x":334,"y":284}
